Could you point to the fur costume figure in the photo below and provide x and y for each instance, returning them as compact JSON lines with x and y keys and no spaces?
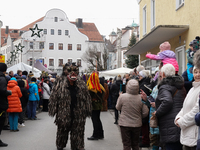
{"x":71,"y":103}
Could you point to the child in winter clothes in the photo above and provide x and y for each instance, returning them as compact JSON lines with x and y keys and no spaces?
{"x":33,"y":98}
{"x":165,"y":55}
{"x":24,"y":101}
{"x":154,"y":132}
{"x":14,"y":104}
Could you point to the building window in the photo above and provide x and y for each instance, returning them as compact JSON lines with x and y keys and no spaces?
{"x":78,"y":47}
{"x":152,"y":14}
{"x":69,"y":46}
{"x":180,"y":57}
{"x":79,"y":62}
{"x":144,"y":20}
{"x":60,"y":46}
{"x":45,"y":31}
{"x":56,"y":19}
{"x":179,"y":4}
{"x":51,"y":62}
{"x":60,"y":62}
{"x":59,"y":32}
{"x":66,"y":32}
{"x":69,"y":61}
{"x":41,"y":45}
{"x":30,"y":61}
{"x":31,"y":45}
{"x":52,"y":31}
{"x":51,"y":46}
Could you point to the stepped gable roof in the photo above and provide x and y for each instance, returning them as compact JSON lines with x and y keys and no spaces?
{"x":91,"y":31}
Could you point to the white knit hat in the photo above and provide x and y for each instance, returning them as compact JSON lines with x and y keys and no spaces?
{"x":143,"y":73}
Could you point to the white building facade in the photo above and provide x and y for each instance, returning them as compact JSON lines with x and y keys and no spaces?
{"x":61,"y":41}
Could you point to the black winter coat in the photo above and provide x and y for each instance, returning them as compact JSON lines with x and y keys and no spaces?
{"x":144,"y":81}
{"x":115,"y":91}
{"x":3,"y":93}
{"x":171,"y":94}
{"x":25,"y":96}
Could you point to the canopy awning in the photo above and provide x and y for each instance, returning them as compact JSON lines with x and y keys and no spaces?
{"x":115,"y":72}
{"x":157,"y":36}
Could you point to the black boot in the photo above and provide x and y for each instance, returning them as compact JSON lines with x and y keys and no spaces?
{"x":92,"y":138}
{"x":101,"y":135}
{"x":3,"y":144}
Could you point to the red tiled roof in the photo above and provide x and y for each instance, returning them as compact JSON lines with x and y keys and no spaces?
{"x":12,"y":35}
{"x":26,"y":28}
{"x":91,"y":31}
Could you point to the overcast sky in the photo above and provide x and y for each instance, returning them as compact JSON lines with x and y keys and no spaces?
{"x":107,"y":15}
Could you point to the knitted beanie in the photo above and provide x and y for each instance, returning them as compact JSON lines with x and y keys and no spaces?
{"x":143,"y":73}
{"x":13,"y":78}
{"x":132,"y":87}
{"x":165,"y":46}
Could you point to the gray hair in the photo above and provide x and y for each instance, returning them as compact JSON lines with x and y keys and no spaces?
{"x":140,"y":68}
{"x":168,"y":69}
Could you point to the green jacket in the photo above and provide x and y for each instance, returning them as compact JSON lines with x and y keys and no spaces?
{"x":97,"y":100}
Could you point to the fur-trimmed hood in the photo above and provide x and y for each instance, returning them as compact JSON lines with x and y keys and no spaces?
{"x":176,"y":81}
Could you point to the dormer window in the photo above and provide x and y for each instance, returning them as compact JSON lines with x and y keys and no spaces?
{"x":56,"y":19}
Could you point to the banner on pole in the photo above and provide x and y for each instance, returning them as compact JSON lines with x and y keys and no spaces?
{"x":2,"y":59}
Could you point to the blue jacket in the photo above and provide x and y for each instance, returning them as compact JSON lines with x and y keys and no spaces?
{"x":154,"y":95}
{"x":33,"y":92}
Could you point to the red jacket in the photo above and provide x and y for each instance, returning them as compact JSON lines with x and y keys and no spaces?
{"x":14,"y":103}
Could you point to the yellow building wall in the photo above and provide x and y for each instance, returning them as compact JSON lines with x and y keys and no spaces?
{"x":166,"y":14}
{"x":174,"y":44}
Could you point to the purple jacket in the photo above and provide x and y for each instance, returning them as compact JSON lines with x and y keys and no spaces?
{"x":167,"y":57}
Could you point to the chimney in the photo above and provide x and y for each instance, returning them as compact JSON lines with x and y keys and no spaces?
{"x":20,"y":33}
{"x":79,"y":23}
{"x":7,"y":30}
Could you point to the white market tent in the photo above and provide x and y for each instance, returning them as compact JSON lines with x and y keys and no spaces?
{"x":112,"y":73}
{"x":22,"y":66}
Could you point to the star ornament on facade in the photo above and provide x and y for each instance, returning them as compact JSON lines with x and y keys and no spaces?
{"x":36,"y":31}
{"x":19,"y":47}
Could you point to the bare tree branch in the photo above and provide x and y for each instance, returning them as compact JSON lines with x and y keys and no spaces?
{"x":94,"y":57}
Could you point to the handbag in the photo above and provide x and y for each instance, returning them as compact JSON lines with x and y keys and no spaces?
{"x":153,"y":122}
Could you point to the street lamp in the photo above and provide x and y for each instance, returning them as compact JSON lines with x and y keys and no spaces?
{"x":1,"y":24}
